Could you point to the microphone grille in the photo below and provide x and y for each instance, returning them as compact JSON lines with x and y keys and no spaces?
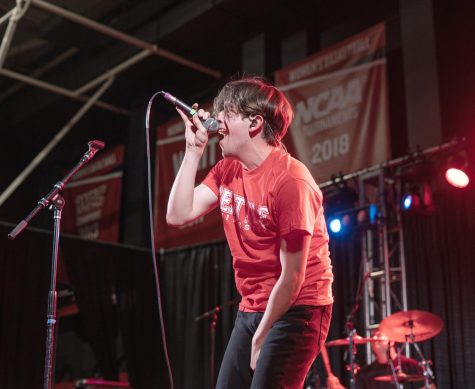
{"x":96,"y":144}
{"x":211,"y":124}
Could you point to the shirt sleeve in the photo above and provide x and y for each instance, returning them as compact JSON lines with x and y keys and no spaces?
{"x":213,"y":178}
{"x":297,"y":207}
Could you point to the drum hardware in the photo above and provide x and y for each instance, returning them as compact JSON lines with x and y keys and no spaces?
{"x":406,"y":327}
{"x":401,"y":378}
{"x":410,"y":327}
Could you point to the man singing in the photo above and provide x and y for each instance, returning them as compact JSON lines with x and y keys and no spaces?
{"x":273,"y":219}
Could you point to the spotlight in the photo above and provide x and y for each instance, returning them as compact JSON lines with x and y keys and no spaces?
{"x":367,"y":216}
{"x":457,"y":177}
{"x":339,"y":200}
{"x":456,"y":173}
{"x":417,"y":198}
{"x":335,"y":225}
{"x":407,"y":201}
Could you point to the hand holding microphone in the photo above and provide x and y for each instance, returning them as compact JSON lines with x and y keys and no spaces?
{"x":210,"y":124}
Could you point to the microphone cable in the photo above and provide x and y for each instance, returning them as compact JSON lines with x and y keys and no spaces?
{"x":152,"y":236}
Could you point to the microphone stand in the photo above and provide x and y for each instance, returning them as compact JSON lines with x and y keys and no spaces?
{"x":57,"y":204}
{"x":213,"y":313}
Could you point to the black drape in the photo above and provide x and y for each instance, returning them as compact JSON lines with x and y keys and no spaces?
{"x":115,"y":291}
{"x":91,"y":270}
{"x":440,"y":261}
{"x":24,"y":283}
{"x":195,"y":281}
{"x":345,"y":252}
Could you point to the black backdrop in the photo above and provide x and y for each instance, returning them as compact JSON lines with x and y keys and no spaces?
{"x":114,"y":288}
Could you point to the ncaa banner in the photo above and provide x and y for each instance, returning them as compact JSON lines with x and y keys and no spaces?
{"x":341,"y":108}
{"x":93,"y":198}
{"x":169,"y":153}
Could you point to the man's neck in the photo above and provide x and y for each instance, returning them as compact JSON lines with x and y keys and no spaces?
{"x":255,"y":155}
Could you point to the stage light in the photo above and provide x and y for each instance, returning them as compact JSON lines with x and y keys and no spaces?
{"x":457,"y":177}
{"x":417,"y":198}
{"x":407,"y":201}
{"x":335,"y":225}
{"x":339,"y":201}
{"x":457,"y":170}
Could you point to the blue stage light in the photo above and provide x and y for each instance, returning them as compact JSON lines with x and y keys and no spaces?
{"x":407,"y":201}
{"x":335,"y":225}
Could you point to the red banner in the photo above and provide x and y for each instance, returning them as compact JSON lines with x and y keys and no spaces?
{"x":93,"y":203}
{"x":341,"y":108}
{"x":170,"y":150}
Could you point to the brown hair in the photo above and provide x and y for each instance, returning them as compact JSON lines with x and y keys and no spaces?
{"x":256,"y":96}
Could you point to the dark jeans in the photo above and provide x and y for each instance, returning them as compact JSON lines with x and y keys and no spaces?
{"x":286,"y":355}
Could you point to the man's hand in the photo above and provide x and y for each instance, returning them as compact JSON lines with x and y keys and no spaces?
{"x":196,"y":135}
{"x":334,"y":383}
{"x":255,"y":351}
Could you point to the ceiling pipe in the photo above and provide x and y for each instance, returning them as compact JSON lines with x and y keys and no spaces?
{"x":15,"y":15}
{"x":154,"y":49}
{"x":59,"y":90}
{"x":57,"y":138}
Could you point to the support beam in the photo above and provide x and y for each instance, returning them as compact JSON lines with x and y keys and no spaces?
{"x":154,"y":49}
{"x":16,"y":14}
{"x":57,"y":138}
{"x":59,"y":90}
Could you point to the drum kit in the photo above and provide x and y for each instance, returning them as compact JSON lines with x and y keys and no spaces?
{"x":405,"y":327}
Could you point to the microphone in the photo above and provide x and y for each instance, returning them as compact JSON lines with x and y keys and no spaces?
{"x":96,"y":144}
{"x":94,"y":147}
{"x":211,"y":124}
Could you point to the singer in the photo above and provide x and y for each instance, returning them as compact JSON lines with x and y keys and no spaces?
{"x":273,"y":219}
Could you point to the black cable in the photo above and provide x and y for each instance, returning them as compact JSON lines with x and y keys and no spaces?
{"x":152,"y":236}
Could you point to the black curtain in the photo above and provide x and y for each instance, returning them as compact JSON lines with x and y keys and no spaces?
{"x":345,"y":252}
{"x":196,"y":281}
{"x":440,"y":261}
{"x":24,"y":283}
{"x":90,"y":267}
{"x":115,"y":291}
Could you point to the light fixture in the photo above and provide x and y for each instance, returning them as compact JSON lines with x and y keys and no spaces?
{"x":456,"y":173}
{"x":417,"y":197}
{"x":339,"y":200}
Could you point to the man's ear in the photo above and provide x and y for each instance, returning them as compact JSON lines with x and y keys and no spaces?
{"x":256,"y":125}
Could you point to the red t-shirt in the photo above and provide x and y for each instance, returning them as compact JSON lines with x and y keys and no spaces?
{"x":260,"y":206}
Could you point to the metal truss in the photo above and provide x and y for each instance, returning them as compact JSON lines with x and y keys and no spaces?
{"x":382,"y":251}
{"x":103,"y":80}
{"x":382,"y":244}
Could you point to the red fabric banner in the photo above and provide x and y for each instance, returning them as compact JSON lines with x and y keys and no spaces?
{"x":341,"y":108}
{"x":93,"y":203}
{"x":170,"y":150}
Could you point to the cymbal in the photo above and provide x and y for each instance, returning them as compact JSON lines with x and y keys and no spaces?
{"x":400,"y":325}
{"x":346,"y":341}
{"x":401,"y":377}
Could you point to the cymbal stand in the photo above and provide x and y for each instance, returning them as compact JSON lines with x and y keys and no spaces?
{"x":395,"y":369}
{"x":426,"y":369}
{"x":351,"y":332}
{"x":352,"y":367}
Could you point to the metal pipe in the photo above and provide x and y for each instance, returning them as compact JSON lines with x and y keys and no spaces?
{"x":40,"y":71}
{"x":59,"y":90}
{"x":38,"y":83}
{"x":394,"y":162}
{"x":112,"y":72}
{"x":5,"y":17}
{"x":154,"y":49}
{"x":17,"y":13}
{"x":56,"y":139}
